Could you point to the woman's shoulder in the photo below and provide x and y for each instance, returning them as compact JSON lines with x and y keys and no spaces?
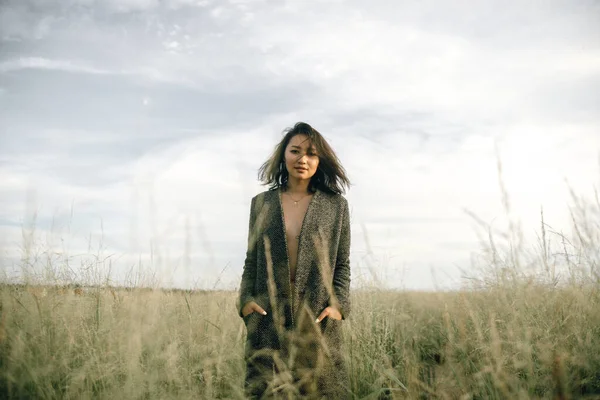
{"x":335,"y":198}
{"x":260,"y":197}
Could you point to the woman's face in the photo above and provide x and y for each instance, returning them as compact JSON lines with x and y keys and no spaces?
{"x":301,"y":159}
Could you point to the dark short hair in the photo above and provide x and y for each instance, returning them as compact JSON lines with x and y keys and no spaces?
{"x":330,"y":176}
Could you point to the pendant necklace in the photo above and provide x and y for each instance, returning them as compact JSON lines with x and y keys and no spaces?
{"x":296,"y":205}
{"x":296,"y":201}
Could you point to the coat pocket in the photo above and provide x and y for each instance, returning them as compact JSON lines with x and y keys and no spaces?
{"x":331,"y":328}
{"x":252,"y":322}
{"x":248,"y":318}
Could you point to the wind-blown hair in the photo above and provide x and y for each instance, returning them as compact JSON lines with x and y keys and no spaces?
{"x":330,"y":175}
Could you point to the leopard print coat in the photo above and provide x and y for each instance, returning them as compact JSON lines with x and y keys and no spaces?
{"x":286,"y":352}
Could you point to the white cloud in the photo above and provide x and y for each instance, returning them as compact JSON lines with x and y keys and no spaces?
{"x":133,"y":5}
{"x":176,"y":4}
{"x":44,"y":63}
{"x":121,"y":6}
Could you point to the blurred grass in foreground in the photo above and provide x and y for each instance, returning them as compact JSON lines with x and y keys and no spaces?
{"x":526,"y":326}
{"x":521,"y":342}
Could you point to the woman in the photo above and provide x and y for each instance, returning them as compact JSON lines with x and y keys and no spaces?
{"x":294,"y":293}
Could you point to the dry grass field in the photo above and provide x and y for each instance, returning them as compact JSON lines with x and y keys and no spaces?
{"x":528,"y":327}
{"x":524,"y":341}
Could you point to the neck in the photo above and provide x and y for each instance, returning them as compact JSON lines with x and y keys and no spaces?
{"x":298,"y":186}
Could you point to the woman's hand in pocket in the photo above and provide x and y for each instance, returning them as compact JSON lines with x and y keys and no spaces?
{"x":251,"y":307}
{"x":329,"y":312}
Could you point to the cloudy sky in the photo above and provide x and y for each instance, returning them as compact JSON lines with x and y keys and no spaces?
{"x":138,"y":126}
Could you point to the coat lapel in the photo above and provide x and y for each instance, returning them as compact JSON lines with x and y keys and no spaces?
{"x":306,"y":250}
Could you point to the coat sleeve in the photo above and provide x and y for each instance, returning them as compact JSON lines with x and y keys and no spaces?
{"x":341,"y":273}
{"x":246,"y":292}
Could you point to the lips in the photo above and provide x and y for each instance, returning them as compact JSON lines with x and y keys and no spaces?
{"x":300,"y":169}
